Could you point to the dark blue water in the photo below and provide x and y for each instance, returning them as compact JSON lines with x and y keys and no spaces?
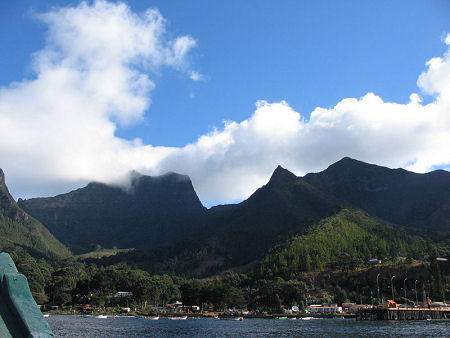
{"x":74,"y":326}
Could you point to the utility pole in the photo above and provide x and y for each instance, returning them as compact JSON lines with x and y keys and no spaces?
{"x":424,"y":293}
{"x":378,"y":289}
{"x":415,"y":288}
{"x":392,"y":287}
{"x":404,"y":286}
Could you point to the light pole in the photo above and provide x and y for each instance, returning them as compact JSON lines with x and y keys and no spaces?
{"x":424,"y":294}
{"x":404,"y":286}
{"x":392,"y":287}
{"x":415,"y":288}
{"x":378,"y":289}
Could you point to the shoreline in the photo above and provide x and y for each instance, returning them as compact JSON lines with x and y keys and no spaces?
{"x":217,"y":315}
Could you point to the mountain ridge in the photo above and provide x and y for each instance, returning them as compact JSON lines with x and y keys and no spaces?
{"x":17,"y":228}
{"x":237,"y":234}
{"x":394,"y":195}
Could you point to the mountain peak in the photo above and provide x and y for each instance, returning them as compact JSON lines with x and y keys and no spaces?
{"x":348,"y":162}
{"x":8,"y":206}
{"x":2,"y":179}
{"x":281,"y":175}
{"x":349,"y":166}
{"x":151,"y":210}
{"x":170,"y":179}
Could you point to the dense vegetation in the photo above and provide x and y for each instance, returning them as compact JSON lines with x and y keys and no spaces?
{"x":342,"y":242}
{"x":73,"y":282}
{"x":328,"y":263}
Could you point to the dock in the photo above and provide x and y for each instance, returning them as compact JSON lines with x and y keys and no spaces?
{"x":403,"y":313}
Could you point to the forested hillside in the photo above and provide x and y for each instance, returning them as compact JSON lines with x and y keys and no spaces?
{"x":345,"y":241}
{"x":18,"y":229}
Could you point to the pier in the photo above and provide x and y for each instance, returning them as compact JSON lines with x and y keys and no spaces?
{"x":403,"y":313}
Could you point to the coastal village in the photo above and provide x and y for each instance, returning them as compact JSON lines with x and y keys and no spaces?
{"x":389,"y":310}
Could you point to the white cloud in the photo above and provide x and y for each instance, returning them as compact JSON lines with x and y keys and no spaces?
{"x":93,"y":74}
{"x":196,"y":76}
{"x":231,"y":163}
{"x":57,"y":130}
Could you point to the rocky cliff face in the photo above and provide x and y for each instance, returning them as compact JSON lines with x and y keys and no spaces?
{"x":8,"y":207}
{"x":151,"y":212}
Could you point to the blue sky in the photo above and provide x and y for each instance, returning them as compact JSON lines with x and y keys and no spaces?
{"x":307,"y":53}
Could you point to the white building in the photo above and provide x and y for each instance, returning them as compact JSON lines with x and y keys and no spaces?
{"x":325,"y":308}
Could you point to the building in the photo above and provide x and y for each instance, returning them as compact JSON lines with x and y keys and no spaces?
{"x":325,"y":308}
{"x":124,"y":294}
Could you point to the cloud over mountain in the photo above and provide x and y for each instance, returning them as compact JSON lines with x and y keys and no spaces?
{"x":95,"y":73}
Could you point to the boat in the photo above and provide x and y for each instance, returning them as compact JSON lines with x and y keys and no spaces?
{"x":153,"y":317}
{"x":177,"y":318}
{"x":46,"y":315}
{"x":307,"y":318}
{"x":102,"y":316}
{"x":281,"y":318}
{"x":239,"y":319}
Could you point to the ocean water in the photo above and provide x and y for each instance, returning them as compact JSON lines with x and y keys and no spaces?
{"x":75,"y":326}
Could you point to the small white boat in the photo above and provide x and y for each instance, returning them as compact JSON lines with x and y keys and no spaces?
{"x":177,"y":318}
{"x":239,"y":319}
{"x":101,"y":316}
{"x":46,"y":315}
{"x":307,"y":318}
{"x":153,"y":318}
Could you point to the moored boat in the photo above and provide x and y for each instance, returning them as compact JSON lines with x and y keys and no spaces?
{"x":177,"y":318}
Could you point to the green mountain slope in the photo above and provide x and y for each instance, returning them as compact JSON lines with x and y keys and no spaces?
{"x":17,"y":228}
{"x":276,"y":211}
{"x":343,"y":241}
